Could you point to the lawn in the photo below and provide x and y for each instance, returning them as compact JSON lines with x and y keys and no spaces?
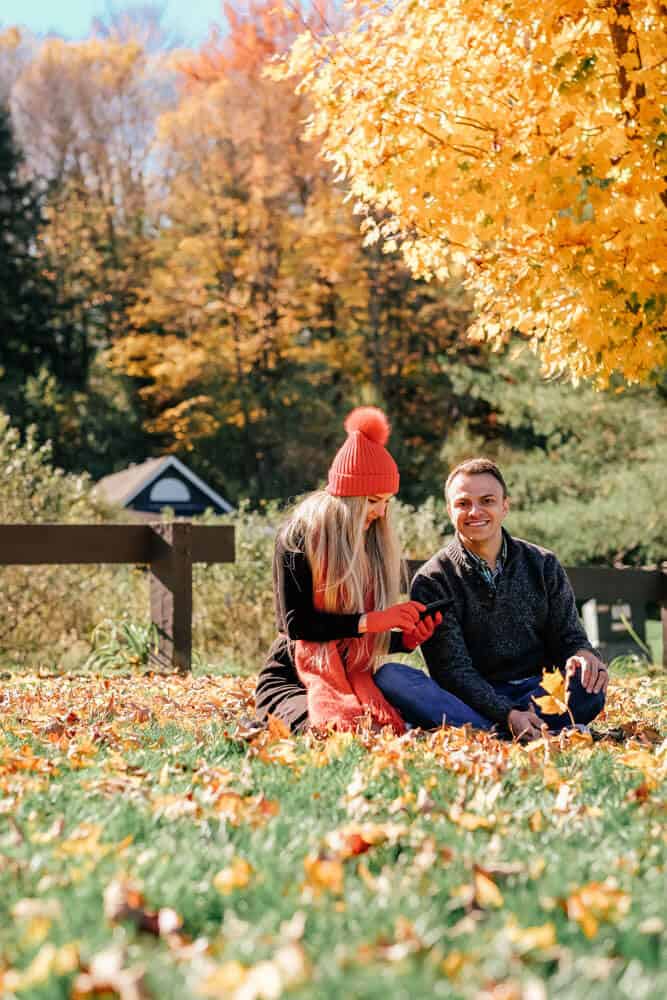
{"x":152,"y":846}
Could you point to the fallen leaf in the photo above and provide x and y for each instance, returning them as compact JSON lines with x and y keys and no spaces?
{"x":468,"y":820}
{"x":106,"y":974}
{"x":453,"y":963}
{"x":235,"y":876}
{"x":596,"y":902}
{"x":487,"y":893}
{"x":267,"y":980}
{"x":48,"y":961}
{"x":124,"y":902}
{"x":324,"y":874}
{"x":536,"y":821}
{"x":536,"y":938}
{"x":551,"y":777}
{"x":277,"y":729}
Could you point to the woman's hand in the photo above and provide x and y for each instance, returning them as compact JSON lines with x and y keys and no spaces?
{"x":423,"y":631}
{"x":403,"y":616}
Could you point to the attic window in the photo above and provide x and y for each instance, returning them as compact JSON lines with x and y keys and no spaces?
{"x":170,"y":490}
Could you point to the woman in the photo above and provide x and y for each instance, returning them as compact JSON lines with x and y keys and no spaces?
{"x":336,"y":574}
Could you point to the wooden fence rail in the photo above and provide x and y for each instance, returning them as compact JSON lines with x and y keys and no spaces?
{"x":636,"y":587}
{"x":168,"y":548}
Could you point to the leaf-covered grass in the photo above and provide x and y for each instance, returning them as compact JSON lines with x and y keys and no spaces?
{"x":152,"y":846}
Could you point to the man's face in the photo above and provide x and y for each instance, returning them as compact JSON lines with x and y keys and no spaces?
{"x":476,"y":506}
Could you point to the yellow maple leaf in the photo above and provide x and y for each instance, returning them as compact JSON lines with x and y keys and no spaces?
{"x":554,"y":702}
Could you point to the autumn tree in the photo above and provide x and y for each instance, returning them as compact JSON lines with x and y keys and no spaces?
{"x":145,"y":23}
{"x":85,"y":113}
{"x":16,"y":50}
{"x":264,"y":317}
{"x":523,"y":145}
{"x":240,"y":319}
{"x":100,"y":98}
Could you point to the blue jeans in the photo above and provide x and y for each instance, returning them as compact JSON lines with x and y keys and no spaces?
{"x":424,"y":703}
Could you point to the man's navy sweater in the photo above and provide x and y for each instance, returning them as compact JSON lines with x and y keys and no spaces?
{"x":527,"y":623}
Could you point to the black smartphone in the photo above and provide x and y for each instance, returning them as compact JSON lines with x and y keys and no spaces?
{"x":431,"y":609}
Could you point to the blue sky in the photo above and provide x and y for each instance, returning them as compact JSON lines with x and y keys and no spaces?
{"x":71,"y":18}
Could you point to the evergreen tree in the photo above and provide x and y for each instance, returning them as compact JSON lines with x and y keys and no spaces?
{"x":26,"y":341}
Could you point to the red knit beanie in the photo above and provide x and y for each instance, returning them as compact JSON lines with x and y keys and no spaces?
{"x":363,"y":466}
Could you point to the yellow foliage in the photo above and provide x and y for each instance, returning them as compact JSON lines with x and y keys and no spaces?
{"x":259,"y":270}
{"x":524,"y":143}
{"x":10,"y":38}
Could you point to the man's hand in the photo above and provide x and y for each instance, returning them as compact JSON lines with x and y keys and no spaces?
{"x":525,"y":725}
{"x":594,"y":674}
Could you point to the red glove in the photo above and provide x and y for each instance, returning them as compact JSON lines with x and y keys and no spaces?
{"x":422,"y":632}
{"x":402,"y":616}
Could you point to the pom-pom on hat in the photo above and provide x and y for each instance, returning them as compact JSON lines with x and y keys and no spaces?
{"x":363,"y":466}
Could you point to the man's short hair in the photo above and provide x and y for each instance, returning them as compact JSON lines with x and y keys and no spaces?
{"x":476,"y":467}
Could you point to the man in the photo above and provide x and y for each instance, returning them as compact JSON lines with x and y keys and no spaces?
{"x":510,"y":612}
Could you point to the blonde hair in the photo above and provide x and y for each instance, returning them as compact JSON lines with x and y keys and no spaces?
{"x":348,"y":561}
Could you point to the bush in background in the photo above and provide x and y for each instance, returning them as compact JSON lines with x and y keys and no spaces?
{"x":585,"y":470}
{"x":592,"y":494}
{"x":50,"y":611}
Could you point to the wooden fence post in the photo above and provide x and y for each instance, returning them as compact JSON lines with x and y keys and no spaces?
{"x":171,"y":593}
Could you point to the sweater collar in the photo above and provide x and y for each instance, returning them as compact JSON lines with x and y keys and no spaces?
{"x":460,"y":554}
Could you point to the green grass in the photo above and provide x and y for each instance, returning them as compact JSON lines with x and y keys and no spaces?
{"x":654,"y":638}
{"x":401,"y":926}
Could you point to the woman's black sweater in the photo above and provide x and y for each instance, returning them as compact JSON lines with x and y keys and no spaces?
{"x":279,"y":691}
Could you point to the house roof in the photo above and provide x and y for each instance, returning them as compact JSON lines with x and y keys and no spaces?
{"x":122,"y":487}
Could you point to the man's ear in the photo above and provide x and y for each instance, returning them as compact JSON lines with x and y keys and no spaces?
{"x":506,"y":506}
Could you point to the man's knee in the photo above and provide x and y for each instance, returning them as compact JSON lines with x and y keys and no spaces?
{"x":392,"y":677}
{"x":584,"y":705}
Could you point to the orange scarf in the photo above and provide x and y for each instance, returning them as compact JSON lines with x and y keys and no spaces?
{"x":339,"y":686}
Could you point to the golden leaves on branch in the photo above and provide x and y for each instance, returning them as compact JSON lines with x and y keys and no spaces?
{"x":524,"y":152}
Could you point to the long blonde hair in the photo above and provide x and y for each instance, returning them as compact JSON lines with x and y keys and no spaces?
{"x":348,"y":561}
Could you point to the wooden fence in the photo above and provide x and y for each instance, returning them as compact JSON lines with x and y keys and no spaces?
{"x":168,"y":549}
{"x":636,"y":587}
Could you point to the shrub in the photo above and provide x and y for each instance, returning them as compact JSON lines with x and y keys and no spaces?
{"x":233,"y":614}
{"x":50,"y":611}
